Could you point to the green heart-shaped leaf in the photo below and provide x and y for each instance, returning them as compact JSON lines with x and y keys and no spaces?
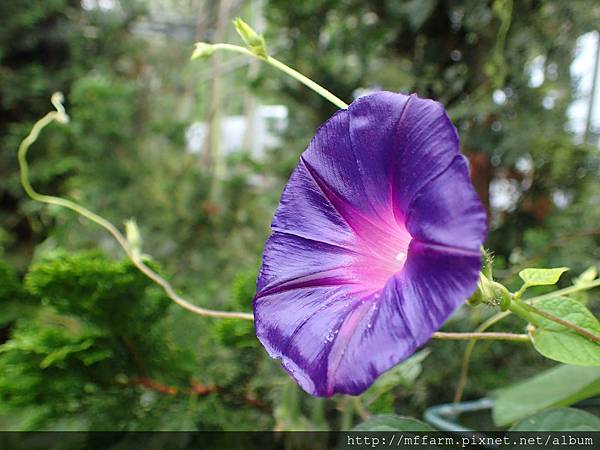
{"x":562,"y":344}
{"x":541,"y":277}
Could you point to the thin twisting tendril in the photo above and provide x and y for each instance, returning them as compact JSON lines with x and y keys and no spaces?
{"x":60,"y":116}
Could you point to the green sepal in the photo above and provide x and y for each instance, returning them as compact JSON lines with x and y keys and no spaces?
{"x":490,"y":293}
{"x":254,"y":41}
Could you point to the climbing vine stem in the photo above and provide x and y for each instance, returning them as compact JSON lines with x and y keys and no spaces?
{"x":60,"y":116}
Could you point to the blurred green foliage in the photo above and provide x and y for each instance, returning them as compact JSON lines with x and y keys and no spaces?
{"x":99,"y":352}
{"x":88,"y":343}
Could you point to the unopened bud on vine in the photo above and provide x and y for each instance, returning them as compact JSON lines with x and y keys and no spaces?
{"x":133,"y":237}
{"x":254,"y":41}
{"x":202,"y":50}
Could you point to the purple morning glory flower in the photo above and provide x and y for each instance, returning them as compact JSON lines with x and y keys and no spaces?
{"x":375,"y":242}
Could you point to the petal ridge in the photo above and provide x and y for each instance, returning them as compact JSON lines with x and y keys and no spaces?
{"x":446,"y":248}
{"x":392,"y":188}
{"x":437,"y":213}
{"x":279,"y":230}
{"x":361,"y":310}
{"x":418,"y":193}
{"x":331,"y":197}
{"x":302,"y":283}
{"x":272,"y":274}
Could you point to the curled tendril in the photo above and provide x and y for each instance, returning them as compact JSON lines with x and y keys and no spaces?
{"x":60,"y":116}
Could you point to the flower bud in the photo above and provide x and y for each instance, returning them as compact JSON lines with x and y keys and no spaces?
{"x":134,"y":238}
{"x":254,"y":41}
{"x":203,"y":50}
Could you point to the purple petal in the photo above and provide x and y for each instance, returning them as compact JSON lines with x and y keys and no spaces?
{"x":377,"y":154}
{"x":446,"y":215}
{"x":375,"y":242}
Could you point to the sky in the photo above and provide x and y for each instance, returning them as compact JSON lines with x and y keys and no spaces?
{"x":582,"y":70}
